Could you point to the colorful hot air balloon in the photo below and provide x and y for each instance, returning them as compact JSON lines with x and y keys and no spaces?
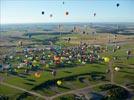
{"x":43,"y":12}
{"x":117,"y":4}
{"x":59,"y":82}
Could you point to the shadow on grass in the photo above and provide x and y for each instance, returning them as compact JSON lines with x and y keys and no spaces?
{"x":29,"y":83}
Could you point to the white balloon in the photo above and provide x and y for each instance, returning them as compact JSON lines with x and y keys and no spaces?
{"x":116,"y":69}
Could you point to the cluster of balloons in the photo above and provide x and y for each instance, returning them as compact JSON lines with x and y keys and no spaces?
{"x":67,"y":13}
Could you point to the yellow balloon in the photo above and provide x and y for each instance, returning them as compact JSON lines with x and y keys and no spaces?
{"x":106,"y":59}
{"x":59,"y":82}
{"x":37,"y":75}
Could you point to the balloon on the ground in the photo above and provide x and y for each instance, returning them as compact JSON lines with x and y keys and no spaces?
{"x":106,"y":59}
{"x":59,"y":82}
{"x":117,"y":69}
{"x":94,"y":14}
{"x":37,"y":74}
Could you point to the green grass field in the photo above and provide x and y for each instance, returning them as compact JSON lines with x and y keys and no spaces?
{"x":30,"y":82}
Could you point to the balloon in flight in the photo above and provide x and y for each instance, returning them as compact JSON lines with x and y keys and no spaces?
{"x":51,"y":15}
{"x":67,"y":13}
{"x":43,"y":12}
{"x":117,"y":4}
{"x":94,"y":14}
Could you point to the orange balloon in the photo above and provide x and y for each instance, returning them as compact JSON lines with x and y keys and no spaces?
{"x":56,"y":58}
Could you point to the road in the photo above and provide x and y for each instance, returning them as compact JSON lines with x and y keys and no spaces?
{"x":81,"y":90}
{"x":24,"y":90}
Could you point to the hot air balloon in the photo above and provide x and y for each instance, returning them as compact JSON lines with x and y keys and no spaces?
{"x":37,"y":74}
{"x":117,"y":69}
{"x":56,"y":58}
{"x":63,"y":2}
{"x":43,"y":12}
{"x":59,"y":82}
{"x":117,"y":4}
{"x":51,"y":15}
{"x":106,"y":59}
{"x":94,"y":14}
{"x":67,"y":13}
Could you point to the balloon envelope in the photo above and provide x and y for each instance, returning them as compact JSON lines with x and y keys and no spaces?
{"x":117,"y":4}
{"x":43,"y":12}
{"x":59,"y":82}
{"x":37,"y":75}
{"x":67,"y":13}
{"x":106,"y":59}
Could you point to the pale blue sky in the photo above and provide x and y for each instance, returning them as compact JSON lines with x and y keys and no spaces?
{"x":29,"y":11}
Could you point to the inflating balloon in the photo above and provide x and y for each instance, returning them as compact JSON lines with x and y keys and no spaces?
{"x":37,"y":74}
{"x":56,"y":58}
{"x":59,"y":82}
